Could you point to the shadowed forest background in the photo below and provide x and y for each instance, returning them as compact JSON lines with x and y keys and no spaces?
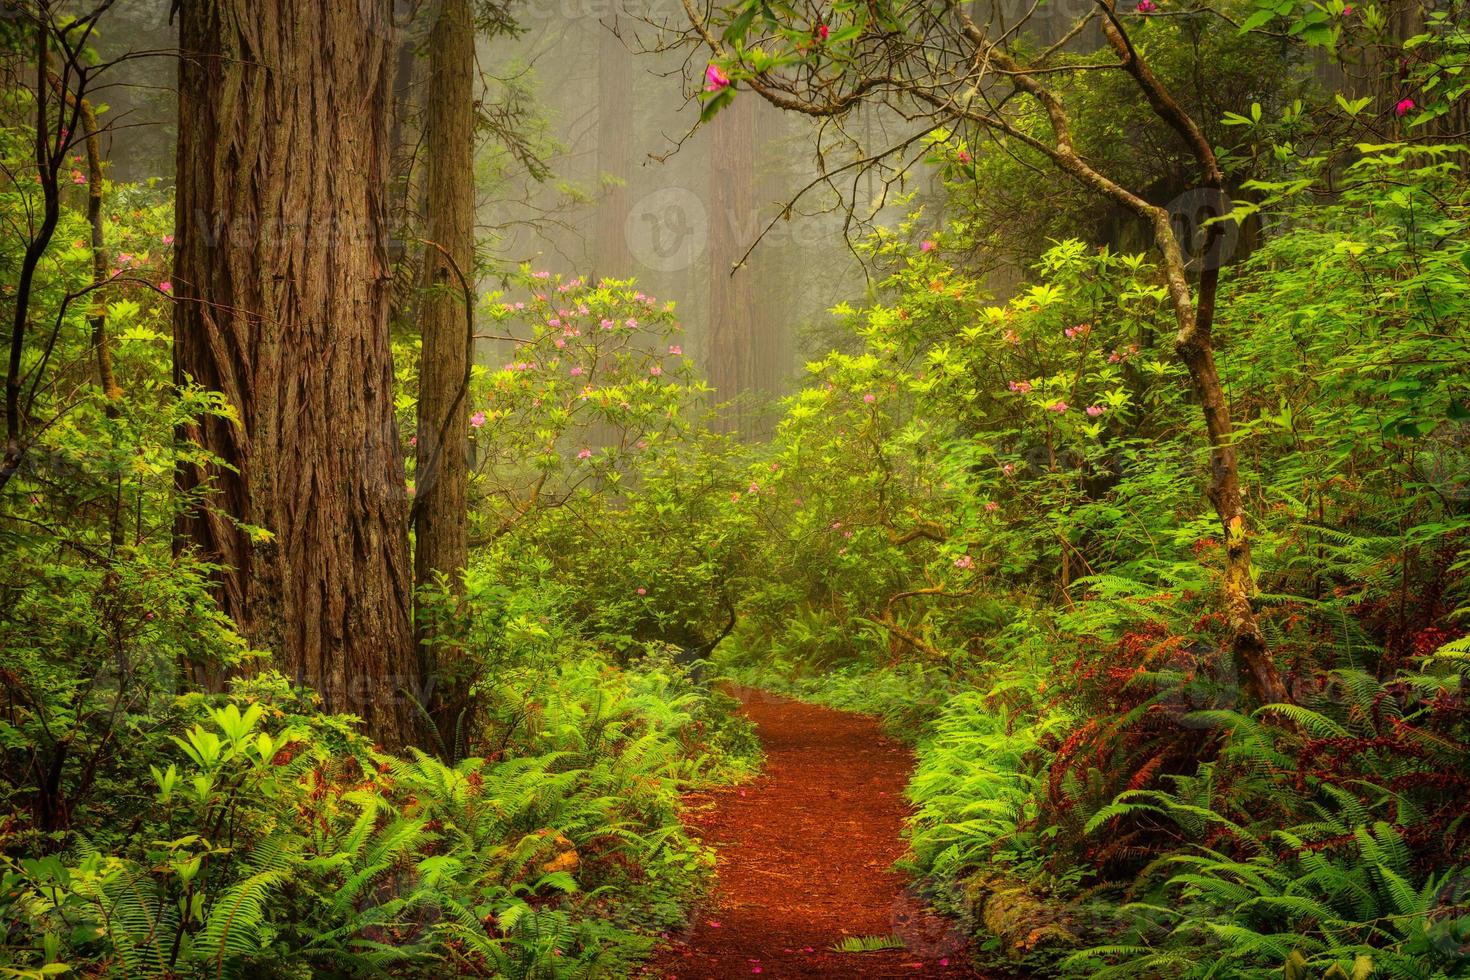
{"x":678,"y":488}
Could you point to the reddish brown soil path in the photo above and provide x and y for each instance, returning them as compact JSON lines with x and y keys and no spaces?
{"x":806,"y":857}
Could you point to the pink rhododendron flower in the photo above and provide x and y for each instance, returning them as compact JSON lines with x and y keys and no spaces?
{"x":823,"y":31}
{"x":1147,"y":6}
{"x":676,"y":350}
{"x":869,"y":398}
{"x":965,"y":562}
{"x":1021,"y":387}
{"x":754,"y":488}
{"x":631,"y":323}
{"x":168,"y":239}
{"x":77,"y":177}
{"x":655,"y":370}
{"x":642,"y":590}
{"x":1095,"y":410}
{"x":607,"y":324}
{"x":166,"y":287}
{"x":477,"y":420}
{"x":1058,"y":407}
{"x":540,"y":275}
{"x":926,"y":246}
{"x":560,"y":344}
{"x":554,"y":322}
{"x":715,"y":80}
{"x":578,"y":371}
{"x":585,"y":454}
{"x":1009,"y":469}
{"x":1404,"y":107}
{"x":992,"y":506}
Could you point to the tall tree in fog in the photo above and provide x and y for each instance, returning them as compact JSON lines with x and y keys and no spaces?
{"x":735,"y":353}
{"x":447,"y":303}
{"x":615,"y":117}
{"x":283,"y":285}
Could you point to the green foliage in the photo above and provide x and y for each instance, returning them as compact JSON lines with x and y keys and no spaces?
{"x":867,"y":944}
{"x":285,"y":844}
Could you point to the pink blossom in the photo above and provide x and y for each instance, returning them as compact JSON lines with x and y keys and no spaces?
{"x":540,"y":275}
{"x":869,"y":398}
{"x":1095,"y":410}
{"x":1058,"y":407}
{"x":607,"y":324}
{"x":992,"y":506}
{"x":964,"y":562}
{"x":1021,"y":387}
{"x":520,"y":306}
{"x":578,"y":371}
{"x":823,"y":31}
{"x":715,"y":80}
{"x":631,"y":323}
{"x":964,"y":156}
{"x":77,"y":177}
{"x":754,"y":488}
{"x":166,"y":287}
{"x":642,"y":590}
{"x":585,"y":454}
{"x":676,"y":350}
{"x":554,"y":322}
{"x":926,"y":246}
{"x":1009,"y":469}
{"x":477,"y":420}
{"x":1347,"y":10}
{"x":560,"y":344}
{"x":1147,"y":6}
{"x":655,"y":370}
{"x":168,"y":239}
{"x":413,"y":440}
{"x":1404,"y":107}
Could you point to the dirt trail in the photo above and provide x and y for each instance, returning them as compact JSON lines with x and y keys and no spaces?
{"x":806,"y":857}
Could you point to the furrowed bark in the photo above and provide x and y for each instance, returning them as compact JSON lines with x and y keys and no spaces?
{"x":283,"y":287}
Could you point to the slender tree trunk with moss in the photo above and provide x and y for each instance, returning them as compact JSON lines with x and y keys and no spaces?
{"x":440,"y":508}
{"x":282,"y":281}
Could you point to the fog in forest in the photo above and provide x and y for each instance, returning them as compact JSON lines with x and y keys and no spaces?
{"x":613,"y":176}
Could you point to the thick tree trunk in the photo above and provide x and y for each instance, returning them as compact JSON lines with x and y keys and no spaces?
{"x":282,"y":280}
{"x":440,"y":543}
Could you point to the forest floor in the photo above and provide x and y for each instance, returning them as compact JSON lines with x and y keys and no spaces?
{"x":805,"y":858}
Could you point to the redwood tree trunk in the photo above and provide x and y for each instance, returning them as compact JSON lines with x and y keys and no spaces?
{"x":440,"y":542}
{"x":282,"y":280}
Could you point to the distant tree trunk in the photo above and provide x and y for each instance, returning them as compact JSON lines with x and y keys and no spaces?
{"x":614,"y":152}
{"x":282,"y":279}
{"x":733,"y":354}
{"x":440,"y":542}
